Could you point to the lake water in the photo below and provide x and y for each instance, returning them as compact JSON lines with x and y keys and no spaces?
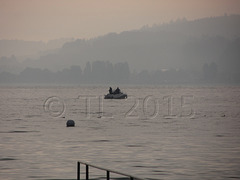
{"x":165,"y":132}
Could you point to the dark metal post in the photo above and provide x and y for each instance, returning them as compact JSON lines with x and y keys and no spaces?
{"x":108,"y":175}
{"x":78,"y":170}
{"x":87,"y":176}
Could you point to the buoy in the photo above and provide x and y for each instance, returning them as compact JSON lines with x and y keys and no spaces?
{"x":70,"y":123}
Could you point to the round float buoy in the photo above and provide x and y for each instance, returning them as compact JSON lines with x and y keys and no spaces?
{"x":70,"y":123}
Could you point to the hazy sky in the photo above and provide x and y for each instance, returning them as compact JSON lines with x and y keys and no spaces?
{"x":52,"y":19}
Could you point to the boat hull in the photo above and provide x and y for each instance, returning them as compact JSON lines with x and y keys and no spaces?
{"x":115,"y":96}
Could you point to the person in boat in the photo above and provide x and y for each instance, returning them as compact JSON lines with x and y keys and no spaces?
{"x":110,"y":90}
{"x":117,"y":91}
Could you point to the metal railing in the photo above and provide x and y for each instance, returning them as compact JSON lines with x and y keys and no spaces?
{"x":108,"y":171}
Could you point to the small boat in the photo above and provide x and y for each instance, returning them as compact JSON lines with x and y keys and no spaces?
{"x":116,"y":96}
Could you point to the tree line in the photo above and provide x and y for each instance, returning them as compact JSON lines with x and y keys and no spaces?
{"x":108,"y":73}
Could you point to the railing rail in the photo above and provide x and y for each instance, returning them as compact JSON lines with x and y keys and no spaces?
{"x":108,"y":171}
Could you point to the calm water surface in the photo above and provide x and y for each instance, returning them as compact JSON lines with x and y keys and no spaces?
{"x":161,"y":132}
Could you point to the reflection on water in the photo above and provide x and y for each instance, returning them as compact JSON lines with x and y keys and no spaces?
{"x":154,"y":134}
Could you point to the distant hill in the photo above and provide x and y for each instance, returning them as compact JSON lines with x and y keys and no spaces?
{"x":20,"y":48}
{"x":29,"y":49}
{"x":224,"y":26}
{"x":181,"y":44}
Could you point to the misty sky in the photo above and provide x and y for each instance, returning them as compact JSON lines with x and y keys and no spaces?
{"x":53,"y":19}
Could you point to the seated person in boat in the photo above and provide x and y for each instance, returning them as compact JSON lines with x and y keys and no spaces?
{"x":117,"y":91}
{"x":110,"y":90}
